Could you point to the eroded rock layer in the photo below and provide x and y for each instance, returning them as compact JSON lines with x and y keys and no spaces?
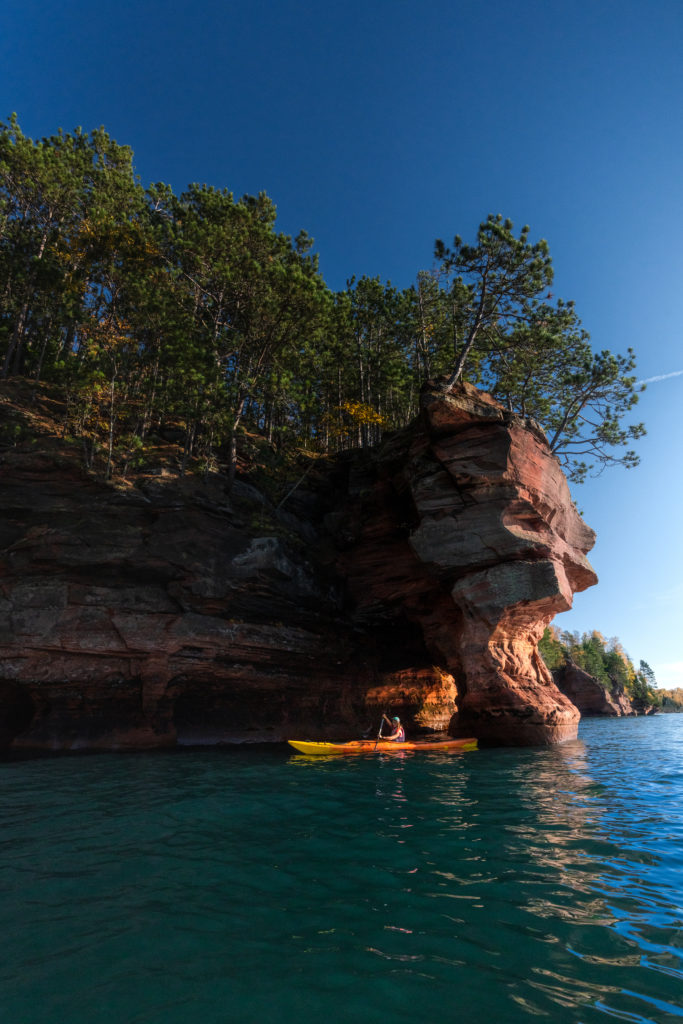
{"x":498,"y":549}
{"x":417,"y":578}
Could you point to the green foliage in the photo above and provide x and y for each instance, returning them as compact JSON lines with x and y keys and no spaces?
{"x":193,"y":312}
{"x":551,"y":649}
{"x":536,"y":356}
{"x":494,"y":284}
{"x":603,"y":659}
{"x":672,"y":700}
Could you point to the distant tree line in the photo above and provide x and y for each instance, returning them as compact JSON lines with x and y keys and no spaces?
{"x":149,"y":308}
{"x":605,"y":660}
{"x":672,"y":700}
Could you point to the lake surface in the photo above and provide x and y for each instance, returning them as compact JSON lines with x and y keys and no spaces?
{"x":253,"y":885}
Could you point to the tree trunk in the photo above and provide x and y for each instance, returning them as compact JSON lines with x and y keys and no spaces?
{"x":112,"y":420}
{"x":232,"y":465}
{"x":41,"y":357}
{"x":17,"y":340}
{"x":189,"y":444}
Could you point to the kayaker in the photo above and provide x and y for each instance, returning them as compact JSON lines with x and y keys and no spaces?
{"x":397,"y":734}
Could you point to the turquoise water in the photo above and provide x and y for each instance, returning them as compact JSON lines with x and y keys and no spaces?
{"x":249,"y":885}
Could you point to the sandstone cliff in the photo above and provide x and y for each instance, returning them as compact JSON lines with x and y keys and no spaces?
{"x":589,"y":696}
{"x":592,"y":699}
{"x":471,"y":530}
{"x":417,"y":578}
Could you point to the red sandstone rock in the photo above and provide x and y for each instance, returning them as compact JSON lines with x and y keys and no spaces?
{"x":133,"y":619}
{"x":589,"y":696}
{"x":498,"y":550}
{"x":153,"y":616}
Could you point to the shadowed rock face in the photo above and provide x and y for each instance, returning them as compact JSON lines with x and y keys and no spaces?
{"x":418,"y":579}
{"x":152,"y":616}
{"x":589,"y":695}
{"x":16,"y":711}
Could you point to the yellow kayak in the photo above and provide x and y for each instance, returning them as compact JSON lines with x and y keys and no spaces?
{"x":372,"y":746}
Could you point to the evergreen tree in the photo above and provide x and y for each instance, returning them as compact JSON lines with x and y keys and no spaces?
{"x":494,"y":284}
{"x":149,"y":308}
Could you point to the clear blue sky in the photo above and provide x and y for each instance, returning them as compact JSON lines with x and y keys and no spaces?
{"x":381,"y":125}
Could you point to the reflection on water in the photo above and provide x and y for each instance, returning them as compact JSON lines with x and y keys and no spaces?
{"x":499,"y":885}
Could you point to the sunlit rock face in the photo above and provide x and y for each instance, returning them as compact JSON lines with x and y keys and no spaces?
{"x":485,"y":548}
{"x":415,"y":579}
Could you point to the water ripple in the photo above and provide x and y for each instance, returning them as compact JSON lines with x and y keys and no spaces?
{"x":230,"y":886}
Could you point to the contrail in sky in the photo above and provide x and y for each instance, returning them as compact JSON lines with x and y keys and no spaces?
{"x":662,"y":376}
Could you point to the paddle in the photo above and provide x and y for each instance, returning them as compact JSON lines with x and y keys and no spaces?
{"x":379,"y":734}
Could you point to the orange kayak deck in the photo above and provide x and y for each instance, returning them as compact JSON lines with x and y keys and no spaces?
{"x":381,"y":746}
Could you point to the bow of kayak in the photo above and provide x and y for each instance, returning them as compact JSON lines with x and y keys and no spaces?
{"x":372,"y":746}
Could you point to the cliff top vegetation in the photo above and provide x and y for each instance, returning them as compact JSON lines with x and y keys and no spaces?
{"x":605,"y":660}
{"x":153,"y":312}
